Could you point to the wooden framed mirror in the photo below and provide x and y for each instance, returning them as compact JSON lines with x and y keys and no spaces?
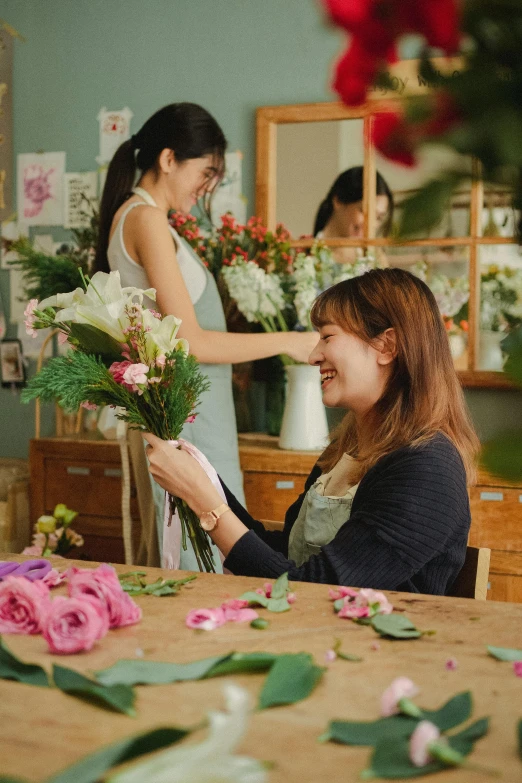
{"x":301,"y":150}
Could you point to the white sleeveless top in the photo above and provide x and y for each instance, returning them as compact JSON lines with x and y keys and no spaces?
{"x":132,"y":274}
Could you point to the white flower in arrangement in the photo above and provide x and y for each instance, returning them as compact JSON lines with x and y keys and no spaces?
{"x":450,"y":293}
{"x":102,"y":305}
{"x":258,"y":294}
{"x":210,"y":761}
{"x":160,"y":335}
{"x":305,"y":287}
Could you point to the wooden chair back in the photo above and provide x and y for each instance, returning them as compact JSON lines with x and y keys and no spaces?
{"x":472,"y":581}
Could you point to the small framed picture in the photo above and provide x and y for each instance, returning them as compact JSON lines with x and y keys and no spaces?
{"x":11,"y":363}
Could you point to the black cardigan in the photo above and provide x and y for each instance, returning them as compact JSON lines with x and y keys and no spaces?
{"x":408,"y":528}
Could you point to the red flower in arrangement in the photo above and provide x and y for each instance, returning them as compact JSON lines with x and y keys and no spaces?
{"x":375,"y":26}
{"x":392,"y":136}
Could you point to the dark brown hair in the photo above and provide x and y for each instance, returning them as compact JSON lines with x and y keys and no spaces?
{"x":423,"y":395}
{"x":185,"y":128}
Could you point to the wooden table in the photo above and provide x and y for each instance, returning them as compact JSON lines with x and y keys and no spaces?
{"x":42,"y":731}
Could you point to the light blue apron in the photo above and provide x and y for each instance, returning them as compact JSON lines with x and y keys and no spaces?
{"x":214,"y":431}
{"x":320,"y":518}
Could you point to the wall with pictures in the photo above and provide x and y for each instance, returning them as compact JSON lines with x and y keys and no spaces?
{"x":228,"y":55}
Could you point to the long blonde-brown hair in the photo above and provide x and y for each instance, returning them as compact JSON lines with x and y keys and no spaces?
{"x":423,"y":395}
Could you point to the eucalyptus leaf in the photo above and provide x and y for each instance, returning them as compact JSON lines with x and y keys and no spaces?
{"x":12,"y":780}
{"x":292,"y":678}
{"x":139,"y":672}
{"x":505,"y":653}
{"x":239,"y":663}
{"x":12,"y":668}
{"x":280,"y":587}
{"x":118,"y":697}
{"x":519,"y":738}
{"x":394,"y":625}
{"x":91,"y":768}
{"x":254,"y":599}
{"x":260,"y":623}
{"x":454,"y":712}
{"x":278,"y":605}
{"x":391,"y":759}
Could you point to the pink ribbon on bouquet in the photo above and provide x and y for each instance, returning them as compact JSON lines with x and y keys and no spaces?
{"x":172,"y":524}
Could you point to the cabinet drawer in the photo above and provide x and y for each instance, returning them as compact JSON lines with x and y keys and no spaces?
{"x":496,"y":518}
{"x":86,"y":486}
{"x":268,"y":495}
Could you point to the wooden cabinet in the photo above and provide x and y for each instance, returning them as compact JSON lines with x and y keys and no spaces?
{"x":274,"y":478}
{"x":86,"y":475}
{"x":496,"y":513}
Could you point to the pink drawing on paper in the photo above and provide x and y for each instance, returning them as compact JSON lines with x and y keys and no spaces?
{"x":37,"y":189}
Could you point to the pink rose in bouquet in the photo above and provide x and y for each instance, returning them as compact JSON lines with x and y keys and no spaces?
{"x":22,"y":604}
{"x":102,"y":583}
{"x":71,"y":625}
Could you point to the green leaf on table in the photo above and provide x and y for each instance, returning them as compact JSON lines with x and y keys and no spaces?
{"x":117,"y":697}
{"x":344,"y":656}
{"x":519,"y":737}
{"x":505,"y":653}
{"x":260,"y":623}
{"x":91,"y":768}
{"x":280,"y":587}
{"x":12,"y":668}
{"x":278,"y":604}
{"x":451,"y":714}
{"x":243,"y":663}
{"x":254,"y":599}
{"x":292,"y":678}
{"x":139,"y":672}
{"x":396,"y":626}
{"x":12,"y":780}
{"x":391,"y":758}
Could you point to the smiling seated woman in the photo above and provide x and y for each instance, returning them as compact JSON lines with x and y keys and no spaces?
{"x":386,"y":505}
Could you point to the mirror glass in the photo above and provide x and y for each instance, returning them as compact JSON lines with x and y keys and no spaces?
{"x":310,"y":156}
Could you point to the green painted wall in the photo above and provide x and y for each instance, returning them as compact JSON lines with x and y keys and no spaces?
{"x":229,"y":55}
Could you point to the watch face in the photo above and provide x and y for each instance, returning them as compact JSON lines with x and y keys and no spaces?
{"x":208,"y":521}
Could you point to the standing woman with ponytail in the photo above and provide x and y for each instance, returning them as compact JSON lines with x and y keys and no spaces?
{"x":176,"y":159}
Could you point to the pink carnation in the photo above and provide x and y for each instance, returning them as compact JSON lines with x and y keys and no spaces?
{"x":205,"y":619}
{"x":53,"y":578}
{"x":425,"y":733}
{"x":341,"y":592}
{"x":71,"y":625}
{"x":401,"y":688}
{"x":103,"y":584}
{"x":237,"y":611}
{"x":117,"y":370}
{"x":30,"y":317}
{"x":354,"y":612}
{"x":22,"y":604}
{"x":136,"y":374}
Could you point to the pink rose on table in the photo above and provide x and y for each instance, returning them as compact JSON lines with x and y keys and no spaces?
{"x":72,"y":625}
{"x":342,"y":592}
{"x":205,"y":619}
{"x":236,"y":611}
{"x":22,"y":604}
{"x":354,"y":612}
{"x":103,"y":584}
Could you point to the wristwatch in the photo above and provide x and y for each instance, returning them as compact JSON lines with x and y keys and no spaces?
{"x":209,"y":519}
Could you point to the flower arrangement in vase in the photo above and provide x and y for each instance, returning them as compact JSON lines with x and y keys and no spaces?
{"x":53,"y":534}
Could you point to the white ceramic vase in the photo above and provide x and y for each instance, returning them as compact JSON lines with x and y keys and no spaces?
{"x":490,"y":354}
{"x":457,"y":345}
{"x":304,"y":426}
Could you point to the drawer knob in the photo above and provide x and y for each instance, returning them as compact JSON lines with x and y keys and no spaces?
{"x":284,"y":484}
{"x":72,"y":470}
{"x":492,"y":496}
{"x":116,"y":472}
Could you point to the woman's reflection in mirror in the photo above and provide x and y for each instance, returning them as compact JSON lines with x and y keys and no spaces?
{"x":340,"y":214}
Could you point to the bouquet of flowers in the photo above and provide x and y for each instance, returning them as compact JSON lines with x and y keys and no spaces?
{"x":501,"y":298}
{"x":53,"y":534}
{"x":124,"y":356}
{"x":281,"y":299}
{"x":233,"y":241}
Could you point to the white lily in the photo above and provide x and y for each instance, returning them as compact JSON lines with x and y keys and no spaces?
{"x":210,"y":761}
{"x":102,"y":305}
{"x":160,"y":336}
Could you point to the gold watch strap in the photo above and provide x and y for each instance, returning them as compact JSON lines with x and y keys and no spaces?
{"x":219,"y":511}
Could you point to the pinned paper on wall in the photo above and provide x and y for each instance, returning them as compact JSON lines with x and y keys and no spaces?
{"x":40,"y":188}
{"x":80,"y":190}
{"x":114,"y":130}
{"x":18,"y":301}
{"x":10,"y":230}
{"x":44,"y":243}
{"x":228,"y":196}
